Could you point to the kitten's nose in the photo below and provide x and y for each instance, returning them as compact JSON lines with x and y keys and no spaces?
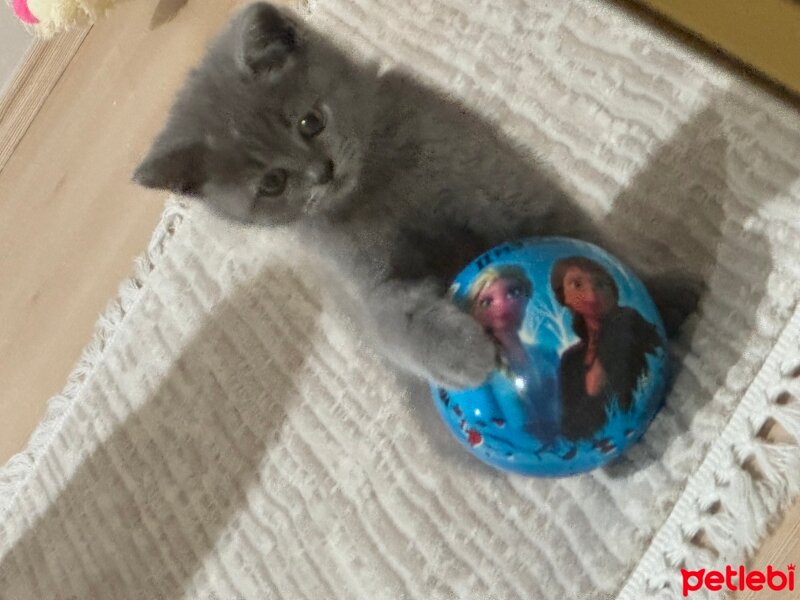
{"x":320,"y":172}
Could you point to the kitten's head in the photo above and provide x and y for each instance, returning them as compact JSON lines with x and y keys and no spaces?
{"x":270,"y":127}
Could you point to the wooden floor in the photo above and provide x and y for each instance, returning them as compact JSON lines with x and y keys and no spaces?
{"x":765,"y":34}
{"x":72,"y":223}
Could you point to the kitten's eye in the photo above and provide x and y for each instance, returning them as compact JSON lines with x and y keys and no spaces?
{"x":312,"y":124}
{"x":273,"y":183}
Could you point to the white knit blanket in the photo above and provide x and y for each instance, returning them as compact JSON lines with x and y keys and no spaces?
{"x":228,"y":435}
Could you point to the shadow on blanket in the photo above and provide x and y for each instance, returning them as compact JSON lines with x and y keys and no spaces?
{"x":688,"y":196}
{"x":176,"y":472}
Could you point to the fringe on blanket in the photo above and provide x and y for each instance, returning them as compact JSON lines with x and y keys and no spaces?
{"x":18,"y":469}
{"x":749,"y":477}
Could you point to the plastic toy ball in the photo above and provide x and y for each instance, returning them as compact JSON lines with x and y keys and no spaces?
{"x":582,"y":358}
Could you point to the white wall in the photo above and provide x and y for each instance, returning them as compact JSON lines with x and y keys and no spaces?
{"x":14,"y":43}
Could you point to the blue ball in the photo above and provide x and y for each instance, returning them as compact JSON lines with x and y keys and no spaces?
{"x":582,"y":358}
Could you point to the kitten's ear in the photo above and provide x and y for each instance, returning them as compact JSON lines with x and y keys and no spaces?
{"x":179,"y":168}
{"x":267,"y":39}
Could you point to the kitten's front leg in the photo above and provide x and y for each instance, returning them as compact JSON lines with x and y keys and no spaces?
{"x":425,"y":334}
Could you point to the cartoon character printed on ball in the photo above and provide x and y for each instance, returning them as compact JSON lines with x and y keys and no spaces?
{"x":498,"y":299}
{"x":608,"y":362}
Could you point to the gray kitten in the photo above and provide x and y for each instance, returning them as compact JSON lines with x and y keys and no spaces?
{"x":401,"y":185}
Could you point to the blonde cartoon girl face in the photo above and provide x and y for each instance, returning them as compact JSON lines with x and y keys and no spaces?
{"x":500,"y":306}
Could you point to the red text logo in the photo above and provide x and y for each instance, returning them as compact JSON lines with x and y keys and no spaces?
{"x":738,"y":579}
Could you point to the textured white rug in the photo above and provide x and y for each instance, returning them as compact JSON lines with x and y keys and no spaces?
{"x":227,"y":435}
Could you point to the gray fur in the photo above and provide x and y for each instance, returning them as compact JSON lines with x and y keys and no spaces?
{"x":403,"y":186}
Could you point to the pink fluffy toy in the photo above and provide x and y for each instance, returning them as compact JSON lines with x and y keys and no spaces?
{"x":46,"y":17}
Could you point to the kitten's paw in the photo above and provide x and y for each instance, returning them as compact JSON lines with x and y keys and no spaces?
{"x":455,"y":352}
